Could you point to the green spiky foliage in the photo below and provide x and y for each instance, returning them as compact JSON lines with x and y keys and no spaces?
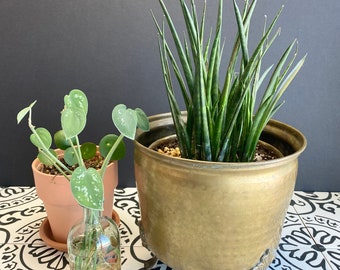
{"x":223,"y":122}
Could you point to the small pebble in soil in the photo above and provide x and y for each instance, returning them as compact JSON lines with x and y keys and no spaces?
{"x":171,"y":151}
{"x":261,"y":154}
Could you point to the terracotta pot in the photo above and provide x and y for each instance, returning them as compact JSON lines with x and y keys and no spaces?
{"x":62,"y":209}
{"x":208,"y":215}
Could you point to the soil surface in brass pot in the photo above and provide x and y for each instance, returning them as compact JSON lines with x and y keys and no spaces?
{"x":169,"y":146}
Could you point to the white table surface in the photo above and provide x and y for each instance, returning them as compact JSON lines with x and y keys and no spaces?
{"x":310,"y":237}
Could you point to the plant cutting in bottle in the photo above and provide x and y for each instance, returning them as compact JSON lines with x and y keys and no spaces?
{"x":86,"y":183}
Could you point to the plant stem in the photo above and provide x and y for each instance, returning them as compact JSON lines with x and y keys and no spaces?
{"x":46,"y":151}
{"x":108,"y":156}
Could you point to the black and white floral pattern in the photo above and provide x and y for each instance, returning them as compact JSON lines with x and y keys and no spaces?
{"x":310,"y":237}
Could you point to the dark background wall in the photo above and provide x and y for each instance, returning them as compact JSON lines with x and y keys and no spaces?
{"x":108,"y":48}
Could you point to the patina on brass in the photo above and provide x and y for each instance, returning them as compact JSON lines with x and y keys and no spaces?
{"x":200,"y":215}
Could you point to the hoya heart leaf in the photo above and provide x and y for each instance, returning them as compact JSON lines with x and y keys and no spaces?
{"x":88,"y":150}
{"x":44,"y":159}
{"x":142,"y":119}
{"x":76,"y":99}
{"x":42,"y":138}
{"x":61,"y":142}
{"x":73,"y":122}
{"x":125,"y":120}
{"x":107,"y":142}
{"x":70,"y":156}
{"x":87,"y":188}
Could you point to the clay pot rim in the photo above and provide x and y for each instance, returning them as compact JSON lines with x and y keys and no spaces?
{"x":36,"y":163}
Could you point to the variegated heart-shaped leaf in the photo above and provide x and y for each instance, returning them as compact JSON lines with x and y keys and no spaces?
{"x":87,"y":188}
{"x":125,"y":120}
{"x":45,"y":138}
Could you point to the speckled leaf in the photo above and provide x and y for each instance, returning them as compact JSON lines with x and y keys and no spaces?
{"x":87,"y":188}
{"x":76,"y":99}
{"x":70,"y":156}
{"x":143,"y":122}
{"x":45,"y":159}
{"x":45,"y":138}
{"x":73,"y":117}
{"x":125,"y":120}
{"x":73,"y":122}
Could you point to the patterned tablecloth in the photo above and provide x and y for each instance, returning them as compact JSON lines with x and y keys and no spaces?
{"x":310,"y":237}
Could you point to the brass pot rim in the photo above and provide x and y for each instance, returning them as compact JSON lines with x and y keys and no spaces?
{"x":293,"y":136}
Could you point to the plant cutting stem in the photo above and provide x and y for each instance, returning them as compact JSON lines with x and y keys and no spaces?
{"x":108,"y":156}
{"x":59,"y":165}
{"x":77,"y":151}
{"x":88,"y":250}
{"x":86,"y":183}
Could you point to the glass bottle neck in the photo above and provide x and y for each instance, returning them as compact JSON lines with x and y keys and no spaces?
{"x":91,"y":216}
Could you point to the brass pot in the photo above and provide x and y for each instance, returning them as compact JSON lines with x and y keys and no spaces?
{"x":211,"y":215}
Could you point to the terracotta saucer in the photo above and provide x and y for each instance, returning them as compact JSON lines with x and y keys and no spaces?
{"x":47,"y":237}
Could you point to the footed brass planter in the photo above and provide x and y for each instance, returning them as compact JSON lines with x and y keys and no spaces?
{"x":206,"y":215}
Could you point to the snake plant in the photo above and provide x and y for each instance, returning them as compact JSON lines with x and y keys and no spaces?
{"x":223,"y":121}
